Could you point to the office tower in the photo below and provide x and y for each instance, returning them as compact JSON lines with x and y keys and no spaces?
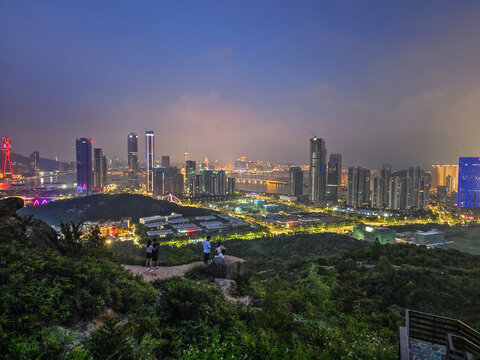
{"x":468,"y":194}
{"x":241,"y":164}
{"x":132,"y":147}
{"x":34,"y":163}
{"x":7,"y":169}
{"x":334,"y":177}
{"x":97,"y":168}
{"x":149,"y":159}
{"x":318,"y":171}
{"x":440,"y":174}
{"x":158,"y":181}
{"x":84,"y":165}
{"x":231,"y":186}
{"x":296,"y":181}
{"x":104,"y":170}
{"x":165,"y":161}
{"x":358,"y":187}
{"x":441,"y":194}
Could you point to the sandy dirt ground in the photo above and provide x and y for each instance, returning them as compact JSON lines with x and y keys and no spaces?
{"x":161,"y":272}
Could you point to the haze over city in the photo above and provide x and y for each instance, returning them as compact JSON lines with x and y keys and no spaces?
{"x":253,"y":79}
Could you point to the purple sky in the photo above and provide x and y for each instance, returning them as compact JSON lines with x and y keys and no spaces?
{"x":381,"y":81}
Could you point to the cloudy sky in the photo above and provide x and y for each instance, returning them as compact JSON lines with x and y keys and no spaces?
{"x":381,"y":81}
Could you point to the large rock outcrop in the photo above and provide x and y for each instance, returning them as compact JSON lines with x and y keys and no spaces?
{"x":9,"y":207}
{"x":42,"y":235}
{"x":227,"y":267}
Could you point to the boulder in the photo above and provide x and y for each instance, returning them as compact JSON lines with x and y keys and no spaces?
{"x":227,"y":267}
{"x":41,"y":234}
{"x":9,"y":206}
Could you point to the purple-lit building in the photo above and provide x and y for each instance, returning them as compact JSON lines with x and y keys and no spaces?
{"x":84,"y":165}
{"x":468,"y":195}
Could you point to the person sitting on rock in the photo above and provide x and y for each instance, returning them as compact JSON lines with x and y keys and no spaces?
{"x":220,"y":250}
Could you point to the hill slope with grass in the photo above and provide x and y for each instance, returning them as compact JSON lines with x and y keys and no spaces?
{"x":325,"y":297}
{"x":107,"y":207}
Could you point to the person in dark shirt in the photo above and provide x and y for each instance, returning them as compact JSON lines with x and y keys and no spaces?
{"x":156,"y":248}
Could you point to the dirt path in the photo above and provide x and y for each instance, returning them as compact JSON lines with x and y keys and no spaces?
{"x":161,"y":272}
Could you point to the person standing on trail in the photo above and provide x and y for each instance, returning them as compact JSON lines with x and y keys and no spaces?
{"x":149,"y":254}
{"x":206,"y":249}
{"x":156,"y":248}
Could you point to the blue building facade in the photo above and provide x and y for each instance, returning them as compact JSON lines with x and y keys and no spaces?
{"x":468,"y":195}
{"x":84,"y":165}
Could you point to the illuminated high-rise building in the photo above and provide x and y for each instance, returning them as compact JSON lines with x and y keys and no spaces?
{"x":468,"y":194}
{"x":158,"y":181}
{"x":440,"y":174}
{"x":358,"y":192}
{"x":7,"y":169}
{"x":318,"y":171}
{"x":149,"y":159}
{"x":296,"y":181}
{"x":334,"y":177}
{"x":84,"y":165}
{"x":132,"y":148}
{"x":97,"y":168}
{"x":384,"y":185}
{"x":104,"y":170}
{"x":34,"y":163}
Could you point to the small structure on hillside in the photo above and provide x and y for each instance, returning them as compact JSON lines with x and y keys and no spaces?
{"x":381,"y":234}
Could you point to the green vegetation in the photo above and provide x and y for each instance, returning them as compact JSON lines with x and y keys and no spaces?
{"x":107,"y":207}
{"x":321,"y":296}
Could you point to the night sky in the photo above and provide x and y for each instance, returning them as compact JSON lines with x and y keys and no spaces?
{"x":381,"y":81}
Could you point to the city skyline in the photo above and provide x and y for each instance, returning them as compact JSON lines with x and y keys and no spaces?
{"x":224,"y":83}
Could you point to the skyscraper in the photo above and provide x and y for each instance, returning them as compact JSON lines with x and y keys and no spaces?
{"x":149,"y":159}
{"x":158,"y":181}
{"x":97,"y":168}
{"x":358,"y":192}
{"x":34,"y":163}
{"x":165,"y":161}
{"x":384,"y":186}
{"x":296,"y":181}
{"x":468,"y":195}
{"x":84,"y":165}
{"x":104,"y":170}
{"x":334,"y":178}
{"x":318,"y":171}
{"x":132,"y":147}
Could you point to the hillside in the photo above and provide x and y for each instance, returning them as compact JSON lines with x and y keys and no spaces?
{"x":323,"y":296}
{"x":107,"y":207}
{"x":44,"y":164}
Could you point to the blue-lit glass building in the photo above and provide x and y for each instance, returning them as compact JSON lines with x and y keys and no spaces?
{"x":468,"y":195}
{"x":84,"y":165}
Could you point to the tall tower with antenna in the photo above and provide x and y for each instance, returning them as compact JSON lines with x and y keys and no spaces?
{"x":7,"y":170}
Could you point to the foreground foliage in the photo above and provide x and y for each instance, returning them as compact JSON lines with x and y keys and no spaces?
{"x":343,"y":299}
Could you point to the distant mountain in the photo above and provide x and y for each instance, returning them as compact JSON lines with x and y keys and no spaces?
{"x":107,"y":207}
{"x":44,"y":164}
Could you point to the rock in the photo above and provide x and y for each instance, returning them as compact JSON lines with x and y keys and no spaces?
{"x":9,"y":206}
{"x":41,"y":234}
{"x":228,"y":267}
{"x":230,"y":286}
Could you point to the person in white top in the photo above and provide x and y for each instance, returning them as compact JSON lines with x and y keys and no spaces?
{"x":220,"y":250}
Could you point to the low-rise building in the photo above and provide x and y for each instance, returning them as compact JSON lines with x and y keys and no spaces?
{"x":430,"y":237}
{"x":381,"y":234}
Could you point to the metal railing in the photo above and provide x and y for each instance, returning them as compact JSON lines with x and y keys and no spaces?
{"x":460,"y":340}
